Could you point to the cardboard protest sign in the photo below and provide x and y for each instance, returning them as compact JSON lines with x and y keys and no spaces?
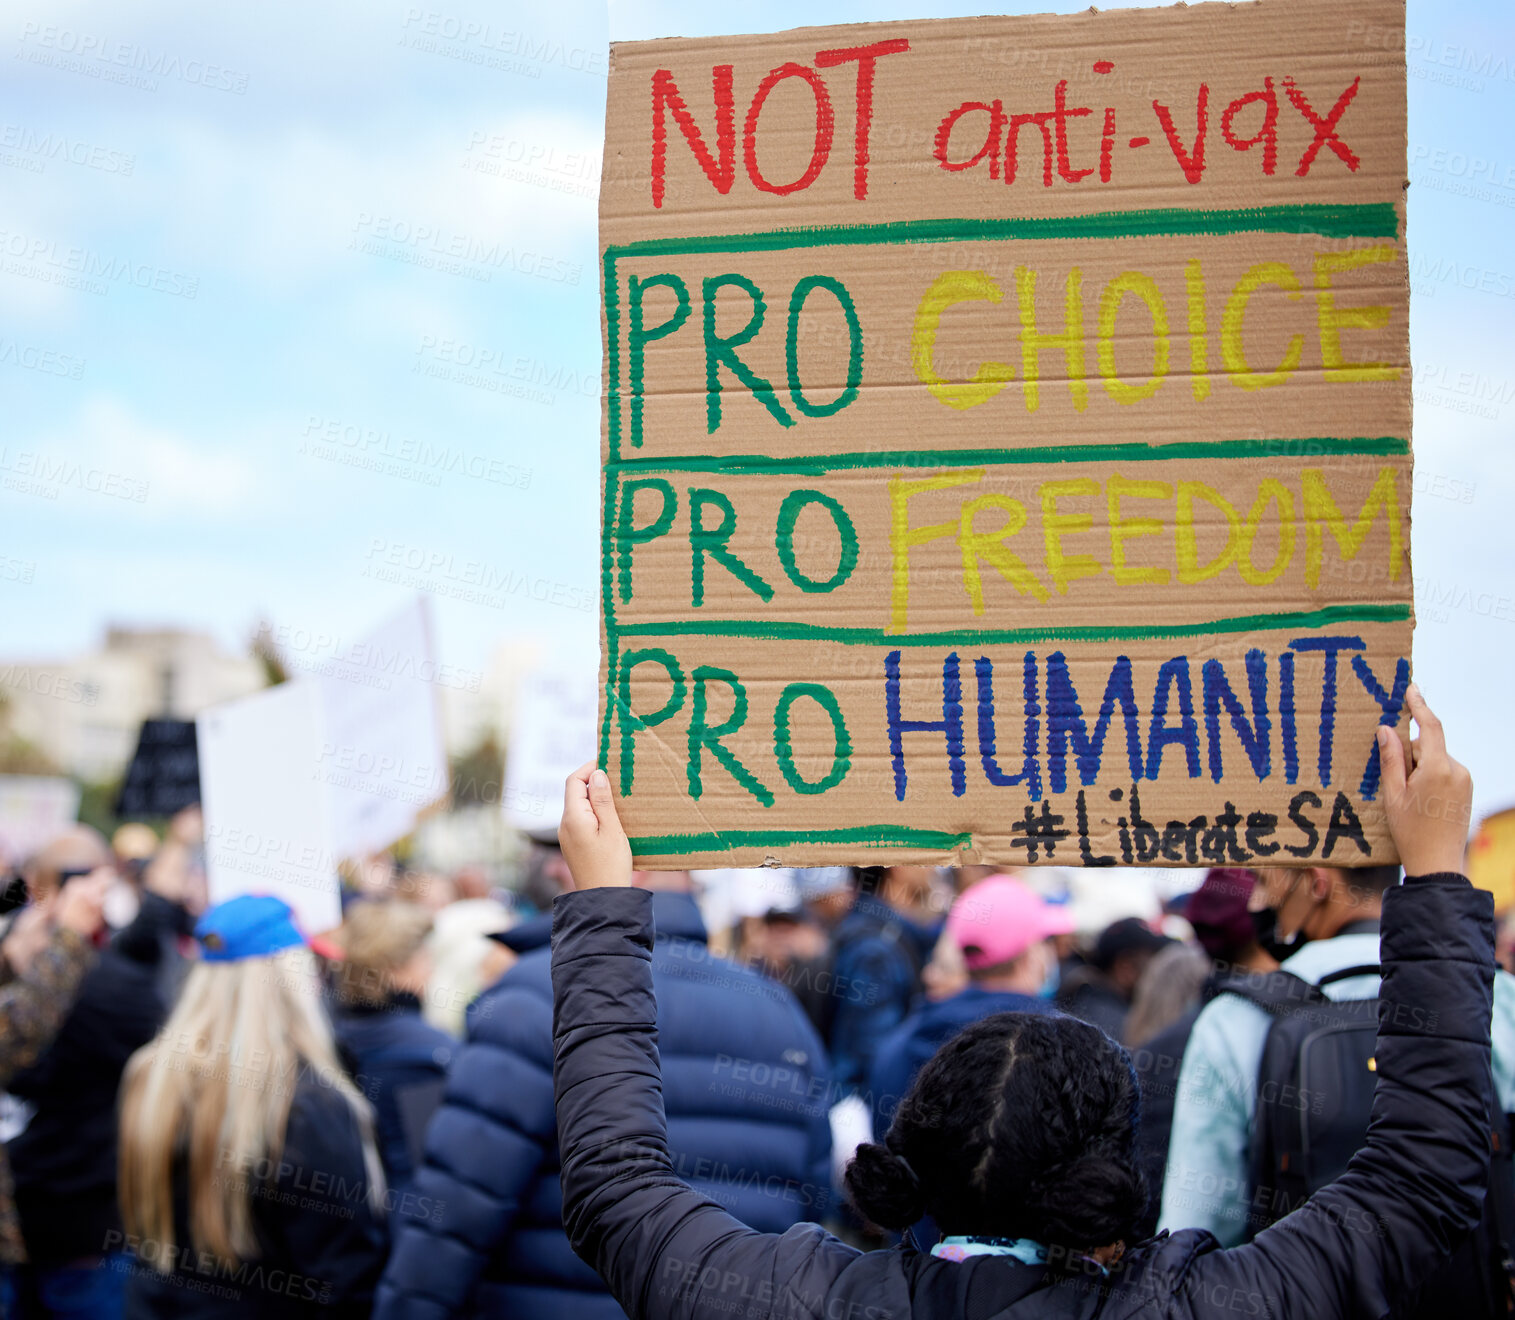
{"x":1007,"y":439}
{"x":164,"y":774}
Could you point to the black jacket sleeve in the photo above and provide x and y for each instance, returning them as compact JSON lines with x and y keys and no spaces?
{"x":662,"y":1249}
{"x":1417,"y":1185}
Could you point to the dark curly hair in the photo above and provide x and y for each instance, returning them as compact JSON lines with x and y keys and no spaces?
{"x":1022,"y":1125}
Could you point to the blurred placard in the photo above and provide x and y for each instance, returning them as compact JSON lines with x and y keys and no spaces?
{"x":33,"y":809}
{"x":164,"y":774}
{"x":383,"y":760}
{"x":552,"y":733}
{"x":267,"y":826}
{"x":330,"y":767}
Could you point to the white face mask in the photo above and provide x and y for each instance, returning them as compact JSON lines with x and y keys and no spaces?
{"x":121,"y":905}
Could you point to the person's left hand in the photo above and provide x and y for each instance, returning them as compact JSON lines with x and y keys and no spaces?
{"x":594,"y":844}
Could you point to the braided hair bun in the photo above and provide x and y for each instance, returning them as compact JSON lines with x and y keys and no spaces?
{"x":1021,"y":1125}
{"x":884,"y":1188}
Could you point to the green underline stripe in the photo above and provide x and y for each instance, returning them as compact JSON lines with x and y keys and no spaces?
{"x":1330,"y":220}
{"x":870,"y":836}
{"x":789,"y":629}
{"x":1119,"y":452}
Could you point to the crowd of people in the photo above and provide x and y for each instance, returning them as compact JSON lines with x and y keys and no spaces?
{"x":882,"y":1091}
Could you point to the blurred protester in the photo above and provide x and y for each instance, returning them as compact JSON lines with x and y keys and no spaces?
{"x":64,"y":1157}
{"x":1217,"y":913}
{"x":545,"y":877}
{"x":175,"y":878}
{"x":46,"y":952}
{"x":1163,"y":1010}
{"x":882,"y":945}
{"x":472,"y":881}
{"x":945,"y":973}
{"x":546,"y":873}
{"x":1168,"y":992}
{"x":796,"y":944}
{"x":467,"y":958}
{"x":793,"y":949}
{"x":1018,"y":1136}
{"x":826,"y":892}
{"x":786,"y":938}
{"x":370,"y":877}
{"x":250,"y":1184}
{"x":133,"y":844}
{"x":428,"y":889}
{"x":1225,"y":1160}
{"x":397,"y":1059}
{"x":1100,"y":992}
{"x":1504,"y":942}
{"x":753,"y":909}
{"x":746,"y":1091}
{"x":1003,"y":930}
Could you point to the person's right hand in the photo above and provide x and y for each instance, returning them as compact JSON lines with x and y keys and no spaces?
{"x":594,"y":844}
{"x":79,"y":906}
{"x":1429,"y":808}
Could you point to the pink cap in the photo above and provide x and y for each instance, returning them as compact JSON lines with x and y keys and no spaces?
{"x":999,"y":918}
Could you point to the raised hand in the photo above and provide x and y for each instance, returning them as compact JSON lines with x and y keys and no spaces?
{"x":1429,"y":806}
{"x":593,"y":842}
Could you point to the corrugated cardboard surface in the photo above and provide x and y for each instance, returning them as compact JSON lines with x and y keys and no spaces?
{"x":1104,"y":470}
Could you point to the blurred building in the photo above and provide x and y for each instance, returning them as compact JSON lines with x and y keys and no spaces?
{"x":83,"y":712}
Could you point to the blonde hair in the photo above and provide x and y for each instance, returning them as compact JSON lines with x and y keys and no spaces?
{"x":213,"y":1091}
{"x":378,"y":937}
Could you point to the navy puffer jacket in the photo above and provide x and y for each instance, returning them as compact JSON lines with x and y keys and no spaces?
{"x":669,"y":1253}
{"x":396,"y":1059}
{"x":747,"y":1089}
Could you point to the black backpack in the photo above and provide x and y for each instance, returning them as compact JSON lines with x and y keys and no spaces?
{"x":1314,"y":1098}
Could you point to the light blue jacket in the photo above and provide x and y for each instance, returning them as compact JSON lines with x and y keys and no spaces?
{"x":1207,"y":1179}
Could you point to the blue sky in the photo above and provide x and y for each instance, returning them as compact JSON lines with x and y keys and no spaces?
{"x":289,"y":390}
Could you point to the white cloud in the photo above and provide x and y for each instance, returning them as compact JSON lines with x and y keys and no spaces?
{"x":187,"y":476}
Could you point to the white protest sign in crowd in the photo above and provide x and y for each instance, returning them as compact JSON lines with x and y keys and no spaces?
{"x":297,"y":778}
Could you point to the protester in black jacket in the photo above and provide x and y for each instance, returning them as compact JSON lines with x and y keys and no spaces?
{"x":1217,"y":911}
{"x":64,"y":1160}
{"x":1100,"y":992}
{"x":1018,"y":1137}
{"x":250,"y":1184}
{"x":47,"y":949}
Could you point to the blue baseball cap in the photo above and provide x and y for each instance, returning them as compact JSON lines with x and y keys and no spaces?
{"x":248,"y":926}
